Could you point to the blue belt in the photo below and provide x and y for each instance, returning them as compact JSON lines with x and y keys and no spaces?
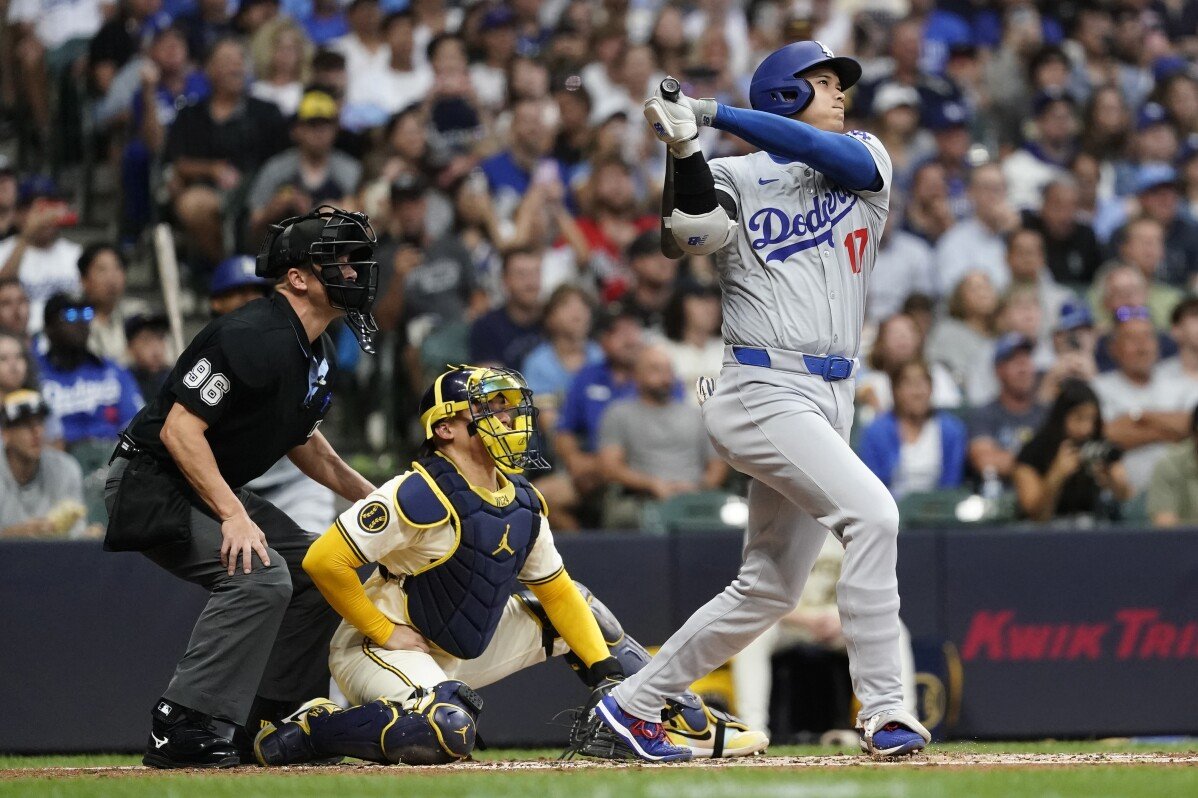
{"x":832,"y":368}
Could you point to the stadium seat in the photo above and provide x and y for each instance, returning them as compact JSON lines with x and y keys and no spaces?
{"x":695,"y":512}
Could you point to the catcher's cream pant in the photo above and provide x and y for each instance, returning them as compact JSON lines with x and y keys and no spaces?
{"x":365,"y":672}
{"x":789,"y":432}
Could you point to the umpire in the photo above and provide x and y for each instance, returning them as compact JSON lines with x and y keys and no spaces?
{"x":251,"y":387}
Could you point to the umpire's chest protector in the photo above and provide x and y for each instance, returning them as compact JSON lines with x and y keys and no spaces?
{"x":458,"y":600}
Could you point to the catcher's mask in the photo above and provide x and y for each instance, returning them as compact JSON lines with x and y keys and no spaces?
{"x":501,"y":411}
{"x":327,"y":240}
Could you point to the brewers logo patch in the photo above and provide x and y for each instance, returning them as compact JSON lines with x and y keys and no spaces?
{"x":374,"y":517}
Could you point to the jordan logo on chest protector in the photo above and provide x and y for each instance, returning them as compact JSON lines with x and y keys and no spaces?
{"x":503,"y":544}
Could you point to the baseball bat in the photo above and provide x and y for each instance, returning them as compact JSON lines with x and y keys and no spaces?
{"x":168,"y":279}
{"x":670,"y":89}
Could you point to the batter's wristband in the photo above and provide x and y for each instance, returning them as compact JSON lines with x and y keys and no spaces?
{"x":694,"y":187}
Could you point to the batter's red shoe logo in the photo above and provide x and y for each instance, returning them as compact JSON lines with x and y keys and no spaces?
{"x":1130,"y":634}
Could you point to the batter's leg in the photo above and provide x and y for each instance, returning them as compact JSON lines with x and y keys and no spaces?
{"x":780,"y":549}
{"x":765,"y":426}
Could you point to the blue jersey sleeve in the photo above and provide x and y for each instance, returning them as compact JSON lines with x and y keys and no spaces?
{"x":842,"y":158}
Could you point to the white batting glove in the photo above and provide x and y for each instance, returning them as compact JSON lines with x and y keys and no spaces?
{"x":674,"y":123}
{"x":704,"y":109}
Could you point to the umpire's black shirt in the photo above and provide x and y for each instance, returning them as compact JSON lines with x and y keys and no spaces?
{"x":257,"y":381}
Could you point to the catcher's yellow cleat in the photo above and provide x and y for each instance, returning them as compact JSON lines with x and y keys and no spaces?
{"x":711,"y":734}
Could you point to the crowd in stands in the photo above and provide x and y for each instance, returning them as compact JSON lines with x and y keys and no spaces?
{"x":1032,"y":322}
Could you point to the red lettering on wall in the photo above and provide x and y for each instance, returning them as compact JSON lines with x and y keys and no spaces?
{"x":1133,"y":621}
{"x":1158,"y":641}
{"x":1087,"y":641}
{"x":986,"y":632}
{"x":1029,"y":642}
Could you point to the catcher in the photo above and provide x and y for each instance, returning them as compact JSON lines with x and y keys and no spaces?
{"x":441,"y":615}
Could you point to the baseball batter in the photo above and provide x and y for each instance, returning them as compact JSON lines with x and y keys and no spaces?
{"x":795,"y":229}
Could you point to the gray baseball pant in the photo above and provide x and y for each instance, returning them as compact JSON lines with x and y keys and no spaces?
{"x":789,"y":433}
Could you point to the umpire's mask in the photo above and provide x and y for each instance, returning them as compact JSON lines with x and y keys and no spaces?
{"x":490,"y":395}
{"x":327,"y":240}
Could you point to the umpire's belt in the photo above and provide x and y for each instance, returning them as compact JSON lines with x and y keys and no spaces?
{"x":831,"y":367}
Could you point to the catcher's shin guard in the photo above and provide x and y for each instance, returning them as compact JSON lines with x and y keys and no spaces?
{"x":709,"y":733}
{"x":438,"y":727}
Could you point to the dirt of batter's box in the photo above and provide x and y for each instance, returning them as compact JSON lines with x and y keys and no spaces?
{"x":962,"y":760}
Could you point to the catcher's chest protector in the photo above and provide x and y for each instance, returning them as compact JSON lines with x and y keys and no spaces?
{"x":457,"y":602}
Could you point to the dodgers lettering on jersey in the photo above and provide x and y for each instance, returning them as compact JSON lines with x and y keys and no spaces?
{"x":794,"y":275}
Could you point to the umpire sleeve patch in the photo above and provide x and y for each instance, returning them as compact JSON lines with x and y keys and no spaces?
{"x":418,"y":505}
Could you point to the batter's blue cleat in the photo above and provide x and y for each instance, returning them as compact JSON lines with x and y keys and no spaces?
{"x":647,"y":740}
{"x":894,"y":732}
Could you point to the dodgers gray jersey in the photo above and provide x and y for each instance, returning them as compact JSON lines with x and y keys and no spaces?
{"x":795,"y":273}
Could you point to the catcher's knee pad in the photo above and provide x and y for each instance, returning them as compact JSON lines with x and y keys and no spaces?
{"x":631,"y":655}
{"x":437,"y":728}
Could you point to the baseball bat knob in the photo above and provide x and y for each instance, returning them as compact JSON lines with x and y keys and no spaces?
{"x":670,"y":89}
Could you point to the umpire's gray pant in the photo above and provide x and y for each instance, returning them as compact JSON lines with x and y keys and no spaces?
{"x":264,"y":633}
{"x":789,"y":432}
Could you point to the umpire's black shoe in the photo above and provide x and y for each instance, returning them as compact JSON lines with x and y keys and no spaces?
{"x":181,"y":738}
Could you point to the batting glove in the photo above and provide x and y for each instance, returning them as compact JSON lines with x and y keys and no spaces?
{"x":674,"y":123}
{"x":704,"y":109}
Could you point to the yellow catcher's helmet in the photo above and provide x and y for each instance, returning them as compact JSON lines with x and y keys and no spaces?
{"x":488,"y":395}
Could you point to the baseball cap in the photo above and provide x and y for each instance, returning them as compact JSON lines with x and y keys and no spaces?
{"x":947,"y":116}
{"x":893,"y":95}
{"x":498,"y":17}
{"x":1151,"y":114}
{"x":145,"y":321}
{"x":35,"y":187}
{"x":21,"y":406}
{"x":408,"y":187}
{"x":1154,"y":175}
{"x":234,"y":272}
{"x":1011,"y":344}
{"x":1074,"y":315}
{"x":1042,"y":100}
{"x":317,"y":106}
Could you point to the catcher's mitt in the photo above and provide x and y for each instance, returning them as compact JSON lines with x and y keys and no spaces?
{"x":589,"y":736}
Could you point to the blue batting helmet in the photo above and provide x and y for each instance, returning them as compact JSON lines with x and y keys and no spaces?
{"x":236,"y":272}
{"x":776,"y":86}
